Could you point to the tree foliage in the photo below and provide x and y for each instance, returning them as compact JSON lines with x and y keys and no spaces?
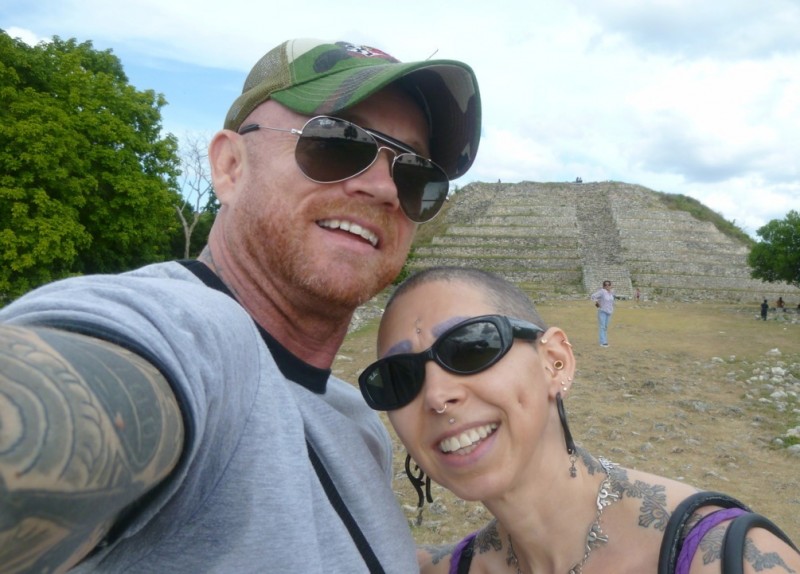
{"x":87,"y":181}
{"x":777,"y":256}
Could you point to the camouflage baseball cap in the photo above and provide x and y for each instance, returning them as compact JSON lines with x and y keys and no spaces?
{"x":316,"y":77}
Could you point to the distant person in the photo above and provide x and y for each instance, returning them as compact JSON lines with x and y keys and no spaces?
{"x":474,"y":383}
{"x":637,"y":294}
{"x":604,"y":301}
{"x":780,"y":304}
{"x":764,"y":309}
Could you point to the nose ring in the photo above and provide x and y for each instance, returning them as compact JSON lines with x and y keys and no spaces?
{"x":439,"y":412}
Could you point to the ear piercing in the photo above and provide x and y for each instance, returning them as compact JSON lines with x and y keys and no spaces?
{"x":564,"y":341}
{"x":558,"y":365}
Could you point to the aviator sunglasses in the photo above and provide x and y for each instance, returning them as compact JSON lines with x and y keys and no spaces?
{"x":467,"y":348}
{"x":330,"y":150}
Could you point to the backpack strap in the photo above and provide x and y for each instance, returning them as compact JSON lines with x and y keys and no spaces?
{"x":735,"y":535}
{"x":672,"y":542}
{"x":695,"y":536}
{"x":339,"y":505}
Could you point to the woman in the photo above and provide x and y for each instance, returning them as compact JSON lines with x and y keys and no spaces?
{"x":473,"y":382}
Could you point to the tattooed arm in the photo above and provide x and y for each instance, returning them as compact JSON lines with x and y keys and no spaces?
{"x":763,"y":552}
{"x":86,"y":428}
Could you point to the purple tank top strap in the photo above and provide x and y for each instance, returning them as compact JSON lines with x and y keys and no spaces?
{"x":695,"y":536}
{"x":455,"y":559}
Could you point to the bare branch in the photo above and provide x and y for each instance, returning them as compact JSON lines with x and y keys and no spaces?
{"x":196,"y":185}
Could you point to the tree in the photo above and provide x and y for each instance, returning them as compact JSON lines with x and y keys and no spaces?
{"x":87,"y":181}
{"x":777,"y":256}
{"x":199,"y":204}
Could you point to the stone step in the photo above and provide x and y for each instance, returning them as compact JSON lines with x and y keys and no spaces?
{"x":501,"y":231}
{"x":659,"y":236}
{"x":687,"y":268}
{"x":515,"y":252}
{"x":546,"y":209}
{"x":541,"y":221}
{"x":505,"y":263}
{"x":525,"y":242}
{"x":695,"y":281}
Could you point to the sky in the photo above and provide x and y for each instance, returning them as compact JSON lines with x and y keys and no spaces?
{"x":680,"y":96}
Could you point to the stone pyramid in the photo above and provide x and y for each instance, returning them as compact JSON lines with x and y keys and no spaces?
{"x":564,"y":239}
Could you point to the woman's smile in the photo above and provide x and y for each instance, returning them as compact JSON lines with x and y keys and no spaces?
{"x":467,"y":441}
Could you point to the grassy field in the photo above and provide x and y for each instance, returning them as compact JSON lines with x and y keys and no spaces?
{"x":670,"y":396}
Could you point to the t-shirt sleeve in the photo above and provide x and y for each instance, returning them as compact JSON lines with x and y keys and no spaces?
{"x":201,"y":340}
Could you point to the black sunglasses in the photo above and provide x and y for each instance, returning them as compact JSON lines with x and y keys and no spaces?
{"x":464,"y":349}
{"x":330,"y":150}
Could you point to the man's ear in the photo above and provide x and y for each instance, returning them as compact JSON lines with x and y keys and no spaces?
{"x":226,"y":156}
{"x":555,"y":352}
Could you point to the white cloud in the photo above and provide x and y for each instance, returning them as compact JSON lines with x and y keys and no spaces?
{"x":679,"y":96}
{"x":723,"y":29}
{"x":26,"y":36}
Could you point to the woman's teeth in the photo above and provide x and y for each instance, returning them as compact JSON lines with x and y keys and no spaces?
{"x":467,"y":438}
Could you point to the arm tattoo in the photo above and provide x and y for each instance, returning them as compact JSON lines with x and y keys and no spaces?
{"x":763,"y":561}
{"x":86,"y":428}
{"x":711,"y":544}
{"x":711,"y":547}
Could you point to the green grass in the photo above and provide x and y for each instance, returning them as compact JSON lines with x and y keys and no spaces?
{"x":699,"y":211}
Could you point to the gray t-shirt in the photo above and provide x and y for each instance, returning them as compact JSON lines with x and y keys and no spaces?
{"x":244,"y":497}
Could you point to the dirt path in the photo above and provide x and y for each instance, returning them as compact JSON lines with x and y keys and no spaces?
{"x":672,"y":395}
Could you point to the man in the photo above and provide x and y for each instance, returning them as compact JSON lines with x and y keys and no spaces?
{"x":183,"y":418}
{"x":604,"y":301}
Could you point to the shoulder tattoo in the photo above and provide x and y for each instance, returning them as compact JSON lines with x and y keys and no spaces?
{"x":653,"y":510}
{"x":87,"y":428}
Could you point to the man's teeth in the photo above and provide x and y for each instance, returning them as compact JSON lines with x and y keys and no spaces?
{"x":352,"y":228}
{"x":467,"y":438}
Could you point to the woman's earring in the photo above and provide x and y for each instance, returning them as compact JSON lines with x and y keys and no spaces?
{"x":418,"y":478}
{"x":562,"y":416}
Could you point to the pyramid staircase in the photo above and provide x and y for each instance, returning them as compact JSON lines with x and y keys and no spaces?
{"x":564,"y":239}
